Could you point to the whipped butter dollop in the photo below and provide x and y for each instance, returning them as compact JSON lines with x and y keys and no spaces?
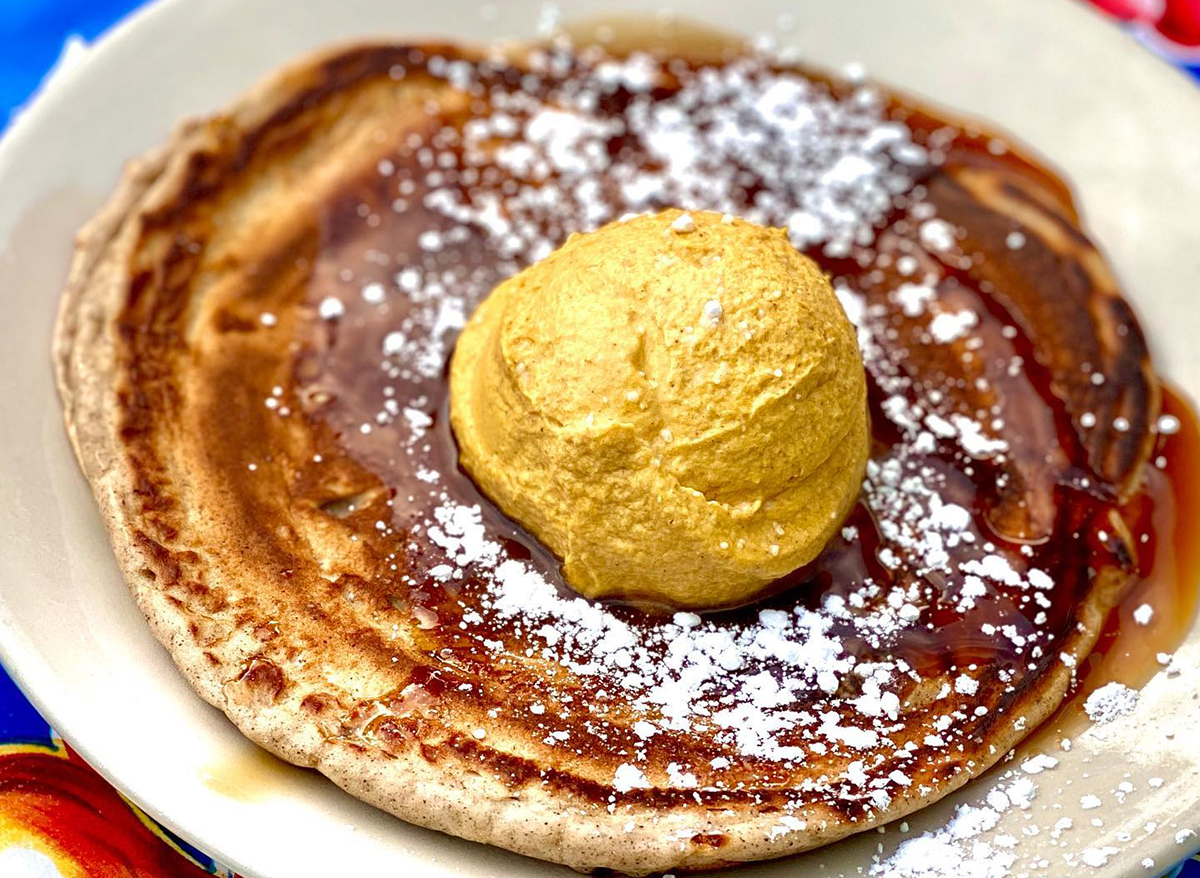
{"x":675,"y":405}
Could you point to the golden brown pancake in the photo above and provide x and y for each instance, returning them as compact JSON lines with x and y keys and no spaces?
{"x":251,"y":354}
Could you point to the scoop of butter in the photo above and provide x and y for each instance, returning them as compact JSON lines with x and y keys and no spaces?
{"x":675,"y":405}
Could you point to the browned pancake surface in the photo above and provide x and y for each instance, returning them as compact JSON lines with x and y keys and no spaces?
{"x":251,"y":355}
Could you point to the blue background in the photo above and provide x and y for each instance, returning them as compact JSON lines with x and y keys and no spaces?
{"x":32,"y":35}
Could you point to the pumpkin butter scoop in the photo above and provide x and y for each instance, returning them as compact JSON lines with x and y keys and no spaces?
{"x":675,"y":405}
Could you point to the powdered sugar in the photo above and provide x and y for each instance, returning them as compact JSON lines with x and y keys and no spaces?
{"x":331,"y":308}
{"x":959,"y":848}
{"x":629,"y":777}
{"x":669,"y":670}
{"x":937,"y":234}
{"x":830,"y":169}
{"x":913,"y":298}
{"x":792,"y":682}
{"x":683,"y":224}
{"x":1110,"y":702}
{"x":950,"y":326}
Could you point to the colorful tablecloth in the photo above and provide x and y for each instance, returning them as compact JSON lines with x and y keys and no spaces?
{"x":57,"y":816}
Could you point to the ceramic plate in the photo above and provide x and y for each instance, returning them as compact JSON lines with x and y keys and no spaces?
{"x":1124,"y":125}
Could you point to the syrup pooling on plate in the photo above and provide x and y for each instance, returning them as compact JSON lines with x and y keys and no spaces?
{"x":981,"y":512}
{"x":1141,"y":634}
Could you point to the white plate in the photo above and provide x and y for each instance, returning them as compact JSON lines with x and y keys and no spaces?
{"x":1086,"y":96}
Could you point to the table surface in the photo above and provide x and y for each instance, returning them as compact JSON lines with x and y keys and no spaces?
{"x":58,"y":818}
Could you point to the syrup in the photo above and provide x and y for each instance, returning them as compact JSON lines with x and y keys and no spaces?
{"x":1047,"y":450}
{"x":1168,"y":577}
{"x":250,"y":776}
{"x":379,"y":428}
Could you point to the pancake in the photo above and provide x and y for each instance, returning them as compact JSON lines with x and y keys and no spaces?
{"x":251,"y":355}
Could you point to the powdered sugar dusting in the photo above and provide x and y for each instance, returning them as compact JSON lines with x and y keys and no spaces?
{"x":823,"y":681}
{"x":1110,"y":702}
{"x":962,"y":846}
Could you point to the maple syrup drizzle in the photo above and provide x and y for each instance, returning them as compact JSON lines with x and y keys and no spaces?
{"x":250,"y":775}
{"x":1162,"y":517}
{"x":346,"y":370}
